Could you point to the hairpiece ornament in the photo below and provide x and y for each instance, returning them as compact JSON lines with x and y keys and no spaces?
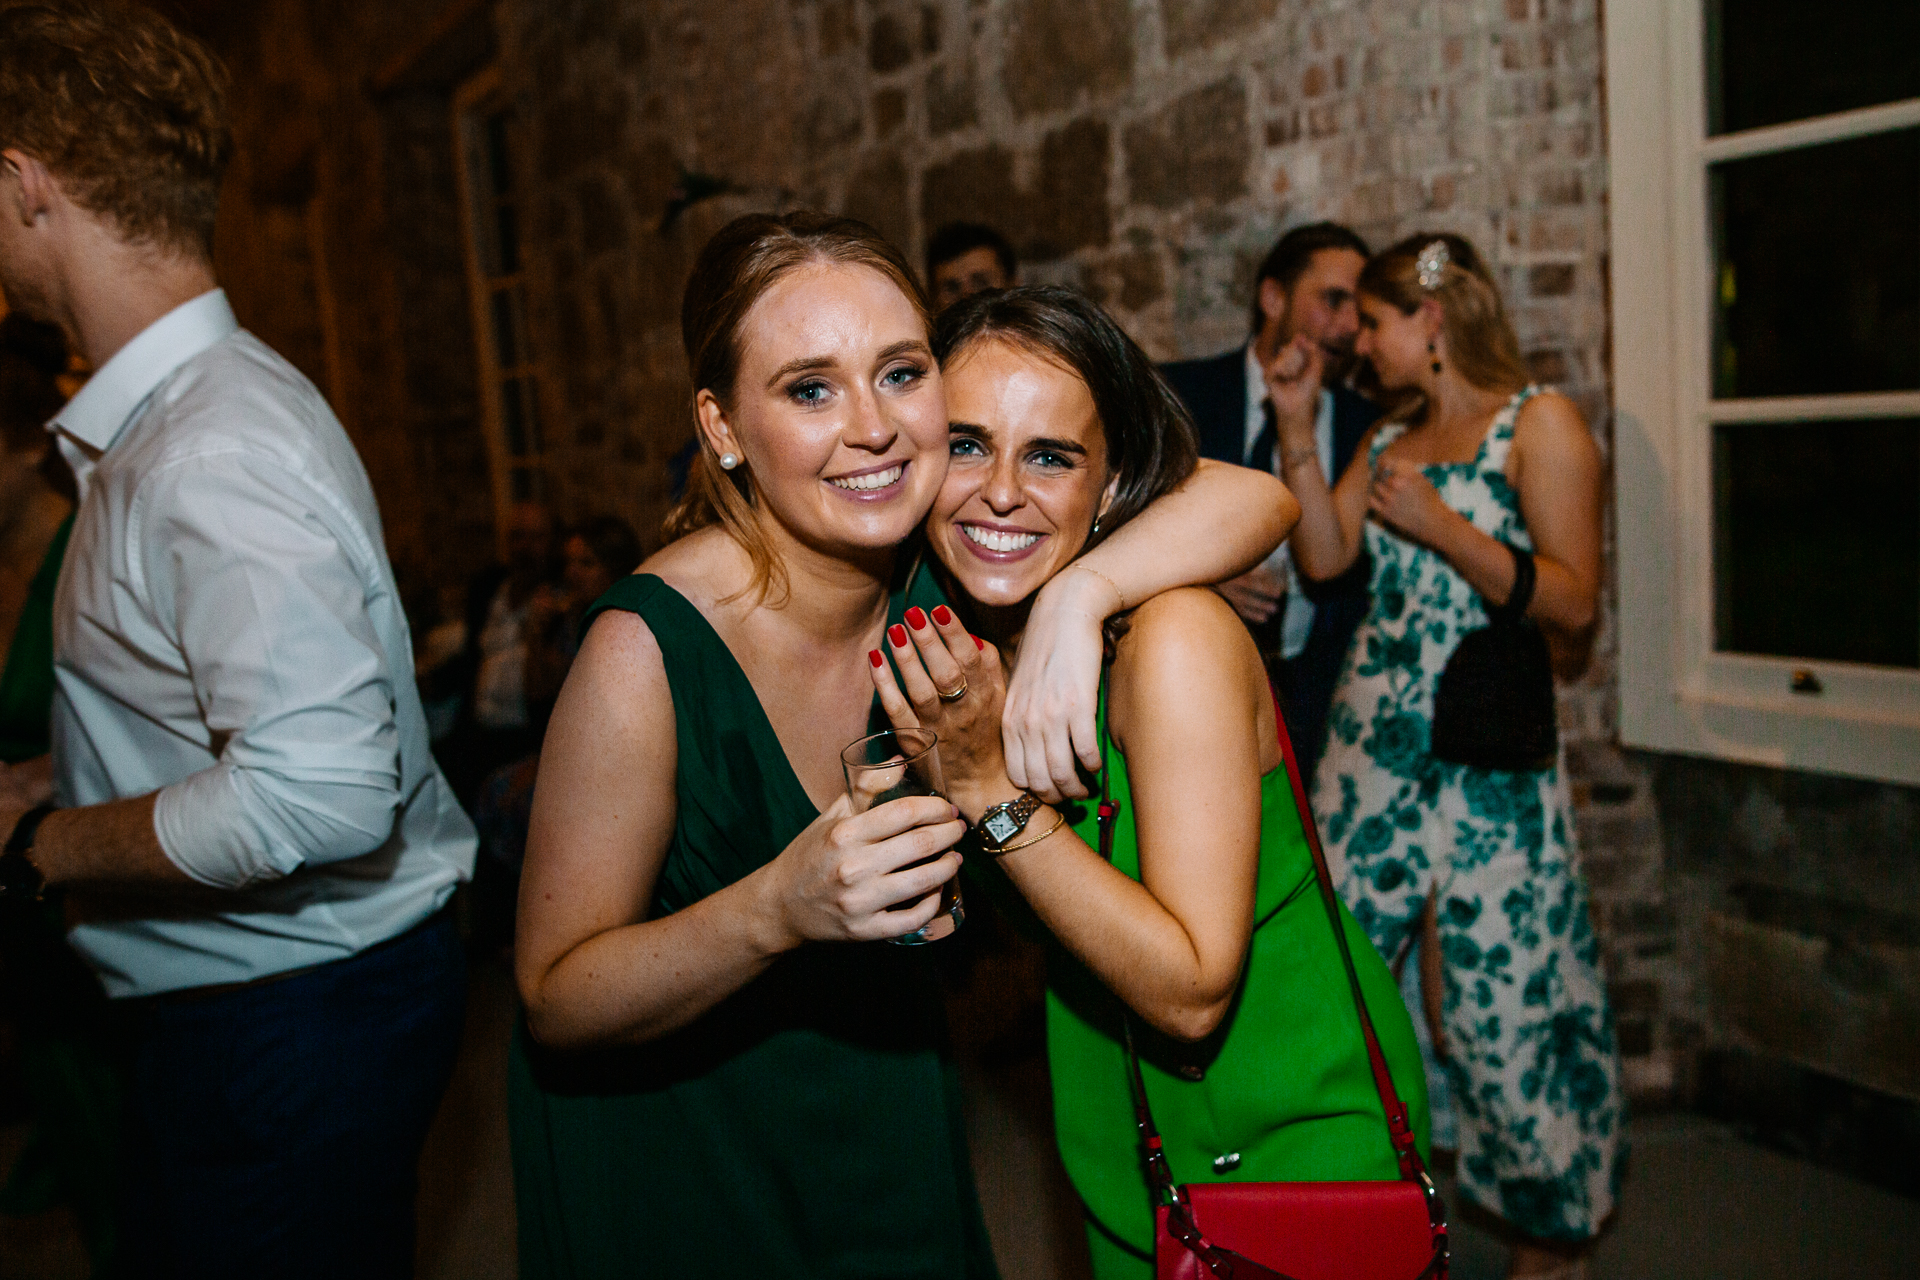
{"x":1431,"y":265}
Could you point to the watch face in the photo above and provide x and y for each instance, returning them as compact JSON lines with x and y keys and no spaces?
{"x":1001,"y":826}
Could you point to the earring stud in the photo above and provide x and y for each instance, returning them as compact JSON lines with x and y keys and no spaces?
{"x":728,"y":461}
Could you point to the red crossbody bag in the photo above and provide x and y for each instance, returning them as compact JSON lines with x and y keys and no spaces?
{"x":1380,"y":1230}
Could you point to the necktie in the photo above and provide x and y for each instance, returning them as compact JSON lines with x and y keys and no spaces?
{"x":1260,"y":455}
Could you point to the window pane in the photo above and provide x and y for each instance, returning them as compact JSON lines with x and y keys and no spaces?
{"x":1817,"y":280}
{"x":1817,"y":540}
{"x":1772,"y":61}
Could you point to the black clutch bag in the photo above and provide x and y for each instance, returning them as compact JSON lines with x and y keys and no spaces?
{"x":1493,"y":707}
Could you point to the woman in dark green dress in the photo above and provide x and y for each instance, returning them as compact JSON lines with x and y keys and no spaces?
{"x":1206,"y":924}
{"x":724,"y":1066}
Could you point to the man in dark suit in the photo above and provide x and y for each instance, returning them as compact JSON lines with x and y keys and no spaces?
{"x":1304,"y":293}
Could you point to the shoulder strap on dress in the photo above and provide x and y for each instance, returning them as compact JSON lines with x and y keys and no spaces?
{"x":1499,"y":440}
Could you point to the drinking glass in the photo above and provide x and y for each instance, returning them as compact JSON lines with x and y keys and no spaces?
{"x":886,"y":766}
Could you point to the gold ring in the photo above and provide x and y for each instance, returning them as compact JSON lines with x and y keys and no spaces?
{"x":955,"y":696}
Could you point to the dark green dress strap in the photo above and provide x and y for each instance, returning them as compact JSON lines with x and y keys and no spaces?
{"x":808,"y":1125}
{"x":26,"y":684}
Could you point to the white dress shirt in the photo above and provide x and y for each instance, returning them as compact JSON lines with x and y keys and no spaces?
{"x":227,"y":632}
{"x":1297,"y":622}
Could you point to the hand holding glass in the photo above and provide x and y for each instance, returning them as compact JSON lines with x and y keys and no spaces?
{"x":891,"y":765}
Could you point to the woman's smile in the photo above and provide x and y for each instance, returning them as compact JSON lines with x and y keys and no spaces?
{"x":873,"y":483}
{"x":1026,"y":469}
{"x":998,"y":544}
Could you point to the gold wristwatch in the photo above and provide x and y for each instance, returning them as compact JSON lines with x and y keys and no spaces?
{"x":1001,"y":823}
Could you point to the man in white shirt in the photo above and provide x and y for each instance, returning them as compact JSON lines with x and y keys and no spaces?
{"x":256,"y":843}
{"x":1304,"y":293}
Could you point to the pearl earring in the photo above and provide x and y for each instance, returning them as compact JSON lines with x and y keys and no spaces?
{"x":728,"y":461}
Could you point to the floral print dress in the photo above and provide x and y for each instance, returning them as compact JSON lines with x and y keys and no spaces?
{"x":1533,"y":1069}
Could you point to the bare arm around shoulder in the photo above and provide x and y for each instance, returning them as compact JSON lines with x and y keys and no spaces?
{"x":591,"y":967}
{"x":1187,"y":701}
{"x":1221,"y":522}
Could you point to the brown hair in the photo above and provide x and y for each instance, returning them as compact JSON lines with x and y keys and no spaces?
{"x":1480,"y":339}
{"x":1151,"y":448}
{"x":127,"y":111}
{"x":744,"y":259}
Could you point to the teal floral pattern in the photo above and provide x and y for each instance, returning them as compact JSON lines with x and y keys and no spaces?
{"x":1533,"y":1071}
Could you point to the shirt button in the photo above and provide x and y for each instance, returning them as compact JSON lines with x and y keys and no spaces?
{"x":1191,"y":1072}
{"x":1226,"y":1163}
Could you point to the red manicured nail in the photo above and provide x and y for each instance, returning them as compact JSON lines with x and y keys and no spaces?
{"x":916,"y":619}
{"x":942,"y":615}
{"x":897,"y":634}
{"x":873,"y":656}
{"x":979,"y":644}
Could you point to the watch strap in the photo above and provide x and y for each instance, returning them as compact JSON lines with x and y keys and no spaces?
{"x":18,"y":874}
{"x":20,"y":839}
{"x":1008,"y":818}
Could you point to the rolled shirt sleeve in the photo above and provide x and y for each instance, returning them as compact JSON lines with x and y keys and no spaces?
{"x":256,"y":579}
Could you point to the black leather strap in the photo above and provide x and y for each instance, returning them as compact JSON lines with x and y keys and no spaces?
{"x":19,"y":877}
{"x":1525,"y":577}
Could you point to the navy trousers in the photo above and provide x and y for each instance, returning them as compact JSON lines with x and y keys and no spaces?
{"x":275,"y":1129}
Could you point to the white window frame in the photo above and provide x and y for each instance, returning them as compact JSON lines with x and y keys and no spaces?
{"x":1676,"y":693}
{"x":473,"y":101}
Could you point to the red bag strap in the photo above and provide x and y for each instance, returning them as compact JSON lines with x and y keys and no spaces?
{"x":1399,"y":1126}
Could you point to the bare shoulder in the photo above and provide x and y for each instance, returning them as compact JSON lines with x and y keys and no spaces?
{"x":1550,"y":418}
{"x":1180,"y":636}
{"x":706,"y":567}
{"x":1551,"y":432}
{"x":619,"y":658}
{"x":1183,"y":615}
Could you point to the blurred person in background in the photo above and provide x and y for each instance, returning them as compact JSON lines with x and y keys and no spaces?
{"x":964,"y":258}
{"x":1303,"y":293}
{"x":601,"y":551}
{"x":1475,"y":483}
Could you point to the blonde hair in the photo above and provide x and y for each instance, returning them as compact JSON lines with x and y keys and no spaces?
{"x":744,"y":259}
{"x":1481,"y":343}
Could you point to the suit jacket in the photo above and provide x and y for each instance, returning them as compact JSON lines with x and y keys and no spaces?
{"x":1215,"y":393}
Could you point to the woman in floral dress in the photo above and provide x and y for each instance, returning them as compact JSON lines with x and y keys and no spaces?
{"x":1472,"y":463}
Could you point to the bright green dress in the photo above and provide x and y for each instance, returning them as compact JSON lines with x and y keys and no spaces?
{"x":806,"y":1127}
{"x":1283,"y":1084}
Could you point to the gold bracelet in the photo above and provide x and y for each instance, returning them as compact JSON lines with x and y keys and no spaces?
{"x":1060,"y":820}
{"x":1119,"y":597}
{"x":1294,"y":457}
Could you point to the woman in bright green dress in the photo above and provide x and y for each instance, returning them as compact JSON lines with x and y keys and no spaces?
{"x":724,"y":1067}
{"x":1206,"y":924}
